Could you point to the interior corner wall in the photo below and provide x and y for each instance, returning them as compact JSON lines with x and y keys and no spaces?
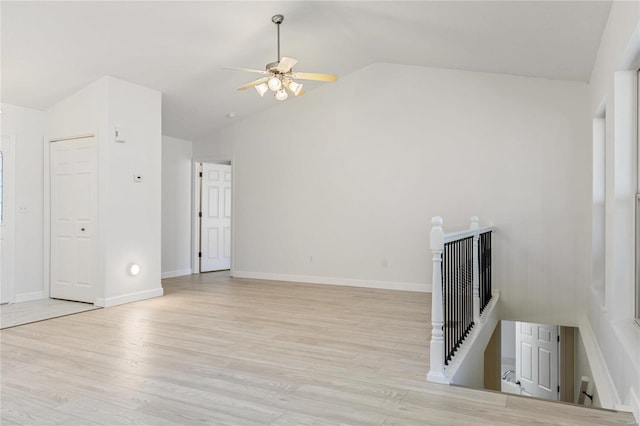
{"x":132,"y":213}
{"x":176,"y":206}
{"x":27,"y":126}
{"x":129,"y":225}
{"x":339,"y":186}
{"x":613,"y":81}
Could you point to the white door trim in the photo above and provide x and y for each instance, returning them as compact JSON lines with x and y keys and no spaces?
{"x":195,"y":206}
{"x":195,"y":217}
{"x":9,"y":212}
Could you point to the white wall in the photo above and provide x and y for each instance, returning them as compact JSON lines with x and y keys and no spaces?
{"x":129,"y":224}
{"x":467,"y":366}
{"x":351,"y":174}
{"x":613,"y":85}
{"x":508,"y":345}
{"x":28,"y":128}
{"x":176,"y":206}
{"x":133,"y":210}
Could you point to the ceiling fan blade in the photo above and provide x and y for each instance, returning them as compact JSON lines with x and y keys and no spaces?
{"x":286,"y":64}
{"x":254,"y":83}
{"x":246,"y":69}
{"x":314,"y":76}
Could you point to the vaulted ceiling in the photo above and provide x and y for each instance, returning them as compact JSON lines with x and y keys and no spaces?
{"x":51,"y":49}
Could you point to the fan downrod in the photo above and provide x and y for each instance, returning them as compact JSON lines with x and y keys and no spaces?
{"x":276,"y":19}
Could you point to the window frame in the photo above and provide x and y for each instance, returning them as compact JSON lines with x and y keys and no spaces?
{"x":637,"y":203}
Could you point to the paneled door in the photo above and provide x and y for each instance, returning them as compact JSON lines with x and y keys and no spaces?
{"x":537,"y":359}
{"x":215,"y":222}
{"x":73,"y":219}
{"x":7,"y":219}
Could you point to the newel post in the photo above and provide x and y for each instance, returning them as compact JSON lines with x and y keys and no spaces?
{"x":475,"y":225}
{"x":436,"y":365}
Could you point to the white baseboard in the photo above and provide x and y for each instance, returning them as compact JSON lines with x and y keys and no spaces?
{"x":386,"y":285}
{"x":635,"y":404}
{"x":26,"y":297}
{"x":128,"y":298}
{"x":177,"y":273}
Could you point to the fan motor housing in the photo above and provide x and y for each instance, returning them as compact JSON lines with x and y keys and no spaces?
{"x":272,"y":67}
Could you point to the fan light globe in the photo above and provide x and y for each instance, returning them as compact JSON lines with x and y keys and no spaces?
{"x":296,"y":88}
{"x":274,"y":83}
{"x":262,"y":89}
{"x":281,"y":95}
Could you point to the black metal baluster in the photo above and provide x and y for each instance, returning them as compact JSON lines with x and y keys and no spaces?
{"x":457,"y":288}
{"x":448,"y":319}
{"x":445,"y":283}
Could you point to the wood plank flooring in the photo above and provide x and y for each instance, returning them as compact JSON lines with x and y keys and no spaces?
{"x":39,"y":310}
{"x":217,"y":350}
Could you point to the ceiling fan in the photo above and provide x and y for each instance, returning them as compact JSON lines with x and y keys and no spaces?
{"x":279,"y":76}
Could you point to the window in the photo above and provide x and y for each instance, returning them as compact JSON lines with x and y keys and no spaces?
{"x":1,"y":192}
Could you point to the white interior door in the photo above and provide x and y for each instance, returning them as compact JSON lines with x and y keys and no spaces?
{"x":537,"y":359}
{"x":215,"y":222}
{"x":73,"y":219}
{"x":7,"y":218}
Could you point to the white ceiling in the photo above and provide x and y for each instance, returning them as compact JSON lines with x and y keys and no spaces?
{"x":51,"y":49}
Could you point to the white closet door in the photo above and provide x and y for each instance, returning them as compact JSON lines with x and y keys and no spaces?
{"x":215,"y":225}
{"x":73,"y":219}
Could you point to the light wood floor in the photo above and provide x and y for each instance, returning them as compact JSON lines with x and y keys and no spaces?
{"x":217,"y":350}
{"x":39,"y":310}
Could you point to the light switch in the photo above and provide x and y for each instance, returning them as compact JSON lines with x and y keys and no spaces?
{"x":119,"y":135}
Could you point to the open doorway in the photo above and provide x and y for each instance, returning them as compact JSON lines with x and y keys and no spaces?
{"x":213,"y":221}
{"x":541,"y":360}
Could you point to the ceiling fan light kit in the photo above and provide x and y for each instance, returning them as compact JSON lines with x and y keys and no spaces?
{"x":280,"y":76}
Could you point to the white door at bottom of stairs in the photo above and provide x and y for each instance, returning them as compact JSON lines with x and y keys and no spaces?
{"x":215,"y":222}
{"x":73,"y":219}
{"x":537,"y":359}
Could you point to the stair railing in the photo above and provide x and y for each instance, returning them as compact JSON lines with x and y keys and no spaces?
{"x":461,"y":289}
